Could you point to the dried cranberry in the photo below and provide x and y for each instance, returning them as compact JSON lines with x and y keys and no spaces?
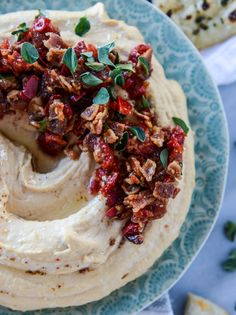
{"x":110,"y":183}
{"x":50,"y":143}
{"x":30,"y":88}
{"x":123,"y":106}
{"x":80,"y":47}
{"x":111,"y":212}
{"x":43,"y":25}
{"x":138,"y":51}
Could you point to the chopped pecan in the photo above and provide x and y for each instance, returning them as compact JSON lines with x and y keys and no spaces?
{"x":118,"y":128}
{"x":55,"y":55}
{"x":135,"y":166}
{"x":158,"y":136}
{"x":165,"y":190}
{"x":96,"y":125}
{"x":90,"y":112}
{"x":174,"y":169}
{"x":139,"y":201}
{"x":110,"y":136}
{"x":148,"y":169}
{"x":35,"y":109}
{"x":9,"y":83}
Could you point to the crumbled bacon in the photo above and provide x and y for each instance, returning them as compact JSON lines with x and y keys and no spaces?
{"x":165,"y":190}
{"x":139,"y":201}
{"x":122,"y":133}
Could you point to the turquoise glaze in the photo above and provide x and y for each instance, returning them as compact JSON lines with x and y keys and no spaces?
{"x":182,"y":63}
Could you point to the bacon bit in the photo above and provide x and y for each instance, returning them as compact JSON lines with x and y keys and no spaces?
{"x":30,"y":88}
{"x":54,"y":41}
{"x":17,"y":63}
{"x":90,"y":112}
{"x":50,"y":143}
{"x":110,"y":136}
{"x":165,"y":190}
{"x":174,"y":169}
{"x":148,"y":170}
{"x":124,"y":107}
{"x":139,"y":201}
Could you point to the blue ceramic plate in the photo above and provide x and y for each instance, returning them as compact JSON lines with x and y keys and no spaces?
{"x":181,"y":62}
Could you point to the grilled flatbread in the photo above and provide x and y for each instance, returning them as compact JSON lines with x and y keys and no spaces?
{"x":196,"y":305}
{"x":205,"y":22}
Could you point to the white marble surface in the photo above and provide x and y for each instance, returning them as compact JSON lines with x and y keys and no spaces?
{"x":205,"y":276}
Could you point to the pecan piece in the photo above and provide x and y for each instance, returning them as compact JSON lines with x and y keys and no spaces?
{"x":148,"y":169}
{"x":157,"y":136}
{"x":110,"y":136}
{"x":174,"y":169}
{"x":90,"y":112}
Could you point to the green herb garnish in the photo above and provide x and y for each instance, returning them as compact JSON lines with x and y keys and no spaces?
{"x":181,"y":123}
{"x":89,"y":79}
{"x":145,"y":102}
{"x":121,"y":144}
{"x":111,"y":92}
{"x":230,"y":230}
{"x":230,"y":263}
{"x":125,"y":66}
{"x":117,"y":76}
{"x":103,"y":54}
{"x":29,"y":53}
{"x":102,"y":97}
{"x":145,"y":64}
{"x":96,"y":66}
{"x":87,"y":54}
{"x":164,"y":156}
{"x":70,"y":60}
{"x":138,"y":132}
{"x":22,"y":28}
{"x":43,"y":125}
{"x":40,"y":13}
{"x":83,"y":26}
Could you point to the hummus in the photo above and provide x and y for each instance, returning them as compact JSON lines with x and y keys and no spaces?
{"x":56,"y":247}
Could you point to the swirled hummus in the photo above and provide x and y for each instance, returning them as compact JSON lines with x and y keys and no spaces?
{"x":96,"y":166}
